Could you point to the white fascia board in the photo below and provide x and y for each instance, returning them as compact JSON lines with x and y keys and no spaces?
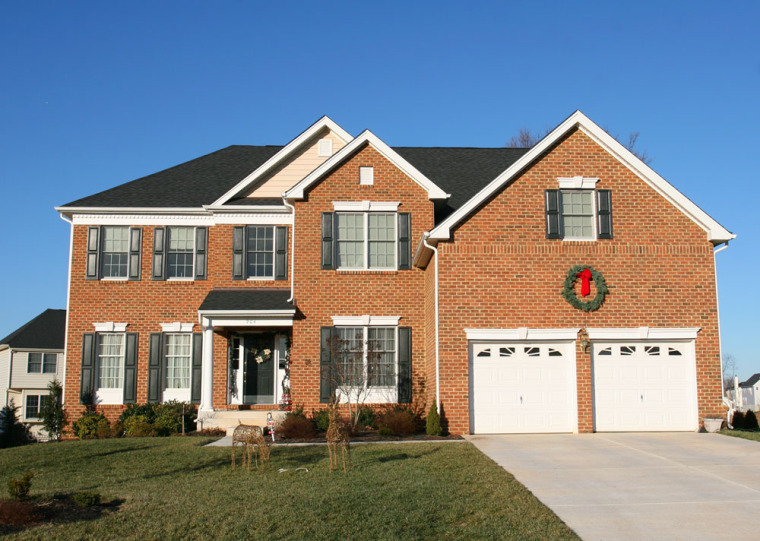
{"x":521,"y":334}
{"x":239,"y":217}
{"x":311,"y":131}
{"x":71,"y":211}
{"x":365,"y":320}
{"x":366,"y":137}
{"x":242,"y":208}
{"x":716,"y":233}
{"x":643,"y":333}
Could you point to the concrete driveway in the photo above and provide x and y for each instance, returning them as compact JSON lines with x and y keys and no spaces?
{"x":639,"y":486}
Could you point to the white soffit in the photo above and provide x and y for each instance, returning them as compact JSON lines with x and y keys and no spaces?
{"x":521,"y":334}
{"x":323,"y":123}
{"x":715,"y":232}
{"x":366,"y":137}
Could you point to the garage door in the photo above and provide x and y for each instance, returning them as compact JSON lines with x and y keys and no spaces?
{"x":644,"y":386}
{"x":522,"y":388}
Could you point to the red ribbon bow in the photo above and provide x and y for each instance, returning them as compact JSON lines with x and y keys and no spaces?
{"x":585,"y":276}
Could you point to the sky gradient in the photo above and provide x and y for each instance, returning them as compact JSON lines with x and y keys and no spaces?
{"x":94,"y":94}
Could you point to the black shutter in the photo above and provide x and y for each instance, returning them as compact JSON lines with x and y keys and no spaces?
{"x":159,"y":252}
{"x":238,"y":253}
{"x":553,"y":215}
{"x":201,"y":248}
{"x":93,"y":249}
{"x":197,"y":371}
{"x":87,"y":388}
{"x":404,"y":365}
{"x":404,"y":241}
{"x":135,"y":251}
{"x":130,"y":369}
{"x":281,"y":253}
{"x":604,"y":211}
{"x":327,"y":240}
{"x":326,"y":376}
{"x":155,"y":368}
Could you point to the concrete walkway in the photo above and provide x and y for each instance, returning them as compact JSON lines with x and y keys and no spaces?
{"x":639,"y":486}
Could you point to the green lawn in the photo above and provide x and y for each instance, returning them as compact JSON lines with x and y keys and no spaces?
{"x":755,"y":436}
{"x":174,"y":488}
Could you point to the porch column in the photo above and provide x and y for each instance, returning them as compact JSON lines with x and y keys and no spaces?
{"x":207,"y":370}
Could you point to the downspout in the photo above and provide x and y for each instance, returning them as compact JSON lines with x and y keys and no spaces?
{"x":68,"y":301}
{"x":437,"y":350}
{"x":292,"y":247}
{"x":726,"y":401}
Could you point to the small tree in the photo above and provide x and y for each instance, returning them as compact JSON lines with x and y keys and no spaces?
{"x":52,"y":413}
{"x":12,"y":431}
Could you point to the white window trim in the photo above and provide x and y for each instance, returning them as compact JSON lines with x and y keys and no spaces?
{"x":181,"y":394}
{"x":366,"y":206}
{"x":594,"y":216}
{"x":42,"y":362}
{"x":111,"y":395}
{"x":376,"y":394}
{"x":274,"y":253}
{"x":577,"y":183}
{"x":366,"y":241}
{"x":522,"y":334}
{"x":166,"y":255}
{"x":110,"y":326}
{"x":177,"y":327}
{"x":102,"y":252}
{"x":643,"y":333}
{"x":40,"y":397}
{"x":366,"y":175}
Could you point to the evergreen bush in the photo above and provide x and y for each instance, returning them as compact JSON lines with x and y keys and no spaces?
{"x":433,"y":422}
{"x":91,"y":425}
{"x":12,"y":431}
{"x":52,"y":413}
{"x":737,"y":421}
{"x":750,"y":421}
{"x":18,"y":489}
{"x":321,"y":419}
{"x":87,"y":498}
{"x":366,"y":417}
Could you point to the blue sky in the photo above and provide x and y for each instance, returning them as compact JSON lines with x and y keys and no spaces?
{"x":93,"y":94}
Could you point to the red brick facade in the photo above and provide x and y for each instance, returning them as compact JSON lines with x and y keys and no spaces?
{"x":498,"y":270}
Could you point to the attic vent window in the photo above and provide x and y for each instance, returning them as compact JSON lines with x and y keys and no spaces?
{"x":325,"y":147}
{"x":366,"y":176}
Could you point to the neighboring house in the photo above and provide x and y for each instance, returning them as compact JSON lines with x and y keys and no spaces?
{"x":30,"y":358}
{"x":748,"y":396}
{"x":450,"y":271}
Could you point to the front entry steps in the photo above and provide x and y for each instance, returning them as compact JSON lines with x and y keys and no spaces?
{"x":229,"y":419}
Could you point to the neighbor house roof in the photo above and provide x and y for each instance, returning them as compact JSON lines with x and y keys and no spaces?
{"x":46,"y":331}
{"x":751,"y":381}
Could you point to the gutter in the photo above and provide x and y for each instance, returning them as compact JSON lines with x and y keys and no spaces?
{"x":292,"y":247}
{"x":68,"y":311}
{"x":726,"y":401}
{"x":437,"y":330}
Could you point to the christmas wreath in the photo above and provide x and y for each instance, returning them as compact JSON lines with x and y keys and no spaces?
{"x":587,"y":274}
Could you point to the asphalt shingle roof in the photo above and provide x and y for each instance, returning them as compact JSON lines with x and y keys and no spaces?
{"x":46,"y":331}
{"x":751,"y":381}
{"x":247,"y":299}
{"x":462,"y":172}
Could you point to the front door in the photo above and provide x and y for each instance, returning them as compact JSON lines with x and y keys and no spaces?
{"x":258,"y":377}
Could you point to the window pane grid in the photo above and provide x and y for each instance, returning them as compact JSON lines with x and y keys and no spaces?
{"x":48,"y":366}
{"x":260,"y":252}
{"x":115,"y":252}
{"x":351,"y":355}
{"x":350,"y":240}
{"x":33,"y":406}
{"x":110,"y":361}
{"x":578,"y":214}
{"x":382,"y":352}
{"x":178,"y":361}
{"x":180,"y":252}
{"x":34,"y":363}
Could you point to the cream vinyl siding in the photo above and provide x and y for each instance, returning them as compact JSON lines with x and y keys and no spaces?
{"x":5,"y":364}
{"x":21,"y":380}
{"x":296,"y":168}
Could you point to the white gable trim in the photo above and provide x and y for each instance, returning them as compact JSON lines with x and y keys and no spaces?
{"x":287,"y":150}
{"x":716,"y":233}
{"x":366,"y":137}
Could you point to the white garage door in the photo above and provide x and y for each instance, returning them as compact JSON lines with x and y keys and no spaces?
{"x":522,"y":388}
{"x":644,"y":386}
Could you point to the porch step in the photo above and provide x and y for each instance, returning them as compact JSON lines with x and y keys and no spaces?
{"x":228,"y":420}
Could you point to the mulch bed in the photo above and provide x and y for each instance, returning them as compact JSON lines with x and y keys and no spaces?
{"x":19,"y":515}
{"x":370,"y":436}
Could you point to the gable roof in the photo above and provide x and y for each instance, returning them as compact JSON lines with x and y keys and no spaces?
{"x":366,"y":138}
{"x":751,"y":381}
{"x":46,"y":331}
{"x":716,"y":233}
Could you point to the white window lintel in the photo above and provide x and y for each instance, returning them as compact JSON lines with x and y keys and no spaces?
{"x":643,"y":333}
{"x":521,"y":334}
{"x":177,"y":327}
{"x":577,"y":183}
{"x":110,"y":326}
{"x":365,"y":321}
{"x":366,"y":206}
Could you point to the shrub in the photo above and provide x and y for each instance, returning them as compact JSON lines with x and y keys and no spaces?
{"x":294,"y":427}
{"x":146,"y":410}
{"x":399,"y":420}
{"x":321,"y":419}
{"x":52,"y":413}
{"x":750,"y":421}
{"x":433,"y":422}
{"x":12,"y":431}
{"x":18,"y":489}
{"x":91,"y":425}
{"x":87,"y":498}
{"x":297,"y":412}
{"x":366,"y":417}
{"x":737,"y":421}
{"x":382,"y":431}
{"x":139,"y":426}
{"x":173,"y":416}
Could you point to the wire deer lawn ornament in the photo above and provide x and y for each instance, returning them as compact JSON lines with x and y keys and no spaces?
{"x":337,"y":434}
{"x":254,"y":442}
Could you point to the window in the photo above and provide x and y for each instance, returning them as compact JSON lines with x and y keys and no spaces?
{"x":115,"y":252}
{"x":178,"y":361}
{"x":110,"y":361}
{"x":367,"y":356}
{"x":578,"y":215}
{"x":366,"y":240}
{"x":41,"y":363}
{"x":181,"y":252}
{"x":33,"y":405}
{"x":260,"y":251}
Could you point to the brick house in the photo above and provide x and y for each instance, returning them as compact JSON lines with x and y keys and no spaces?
{"x":562,"y":288}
